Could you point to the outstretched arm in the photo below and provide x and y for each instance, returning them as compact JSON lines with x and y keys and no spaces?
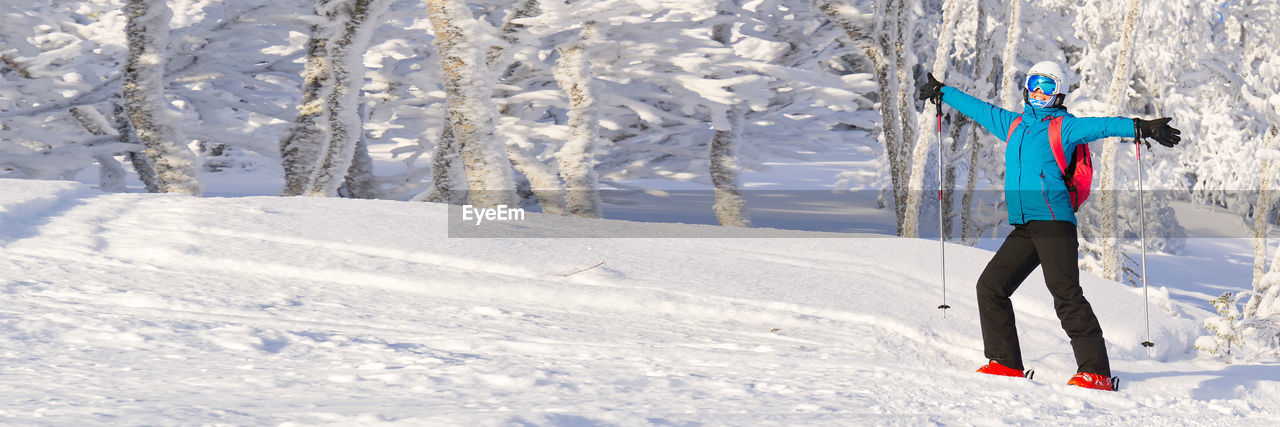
{"x":1082,"y":130}
{"x":1085,"y":129}
{"x":995,"y":119}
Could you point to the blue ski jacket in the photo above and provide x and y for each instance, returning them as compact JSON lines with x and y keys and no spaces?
{"x":1033,"y":183}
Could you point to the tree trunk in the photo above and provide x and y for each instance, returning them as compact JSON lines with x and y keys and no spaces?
{"x":471,"y":111}
{"x":903,"y":63}
{"x":147,"y":33}
{"x":1108,"y":202}
{"x":447,"y":178}
{"x":141,"y":164}
{"x":1270,"y":171}
{"x":543,"y":182}
{"x":359,"y":18}
{"x":920,"y":154}
{"x":359,"y":183}
{"x":577,"y":162}
{"x":1010,"y":92}
{"x":876,"y":44}
{"x":730,"y":207}
{"x":303,"y":142}
{"x":985,"y":77}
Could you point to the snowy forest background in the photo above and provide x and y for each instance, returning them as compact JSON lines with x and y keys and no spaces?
{"x":546,"y":103}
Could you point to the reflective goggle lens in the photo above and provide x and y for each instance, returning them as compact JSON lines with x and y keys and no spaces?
{"x":1045,"y":84}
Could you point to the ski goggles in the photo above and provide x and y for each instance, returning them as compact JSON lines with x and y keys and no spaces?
{"x":1044,"y":83}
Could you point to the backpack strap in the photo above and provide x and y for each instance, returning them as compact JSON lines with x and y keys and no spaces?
{"x":1055,"y":144}
{"x":1012,"y":127}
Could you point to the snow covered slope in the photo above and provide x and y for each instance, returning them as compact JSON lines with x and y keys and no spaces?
{"x":159,"y":309}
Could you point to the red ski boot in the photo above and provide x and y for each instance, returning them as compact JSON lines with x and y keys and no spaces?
{"x":1093,"y":381}
{"x":995,"y":368}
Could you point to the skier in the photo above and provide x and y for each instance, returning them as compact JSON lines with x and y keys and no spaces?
{"x":1041,"y":210}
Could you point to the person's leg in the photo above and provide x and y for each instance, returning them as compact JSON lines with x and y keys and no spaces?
{"x":1058,"y":247}
{"x":1012,"y":263}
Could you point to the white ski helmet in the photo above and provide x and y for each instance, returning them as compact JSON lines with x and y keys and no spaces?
{"x":1053,"y":72}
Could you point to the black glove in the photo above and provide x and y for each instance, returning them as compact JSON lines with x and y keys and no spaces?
{"x":932,"y":90}
{"x":1158,"y":130}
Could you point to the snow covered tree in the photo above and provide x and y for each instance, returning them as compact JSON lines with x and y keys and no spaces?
{"x":658,"y":102}
{"x":307,"y":147}
{"x":1264,"y":301}
{"x":1106,"y":166}
{"x":126,"y":134}
{"x":1227,"y":328}
{"x":1270,"y":171}
{"x":1260,"y":71}
{"x":576,"y":157}
{"x":730,"y":207}
{"x":515,"y":123}
{"x":302,"y":143}
{"x":234,"y":76}
{"x":471,"y":112}
{"x":981,"y":146}
{"x":877,"y":40}
{"x":447,"y":177}
{"x":543,"y":181}
{"x":904,"y":58}
{"x":144,"y":99}
{"x":1102,"y":49}
{"x":226,"y":75}
{"x":52,"y":59}
{"x":653,"y":121}
{"x":344,"y":53}
{"x":1010,"y":95}
{"x":359,"y":183}
{"x":1250,"y":334}
{"x":920,"y":155}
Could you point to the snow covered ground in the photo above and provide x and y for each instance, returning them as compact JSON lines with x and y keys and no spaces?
{"x":161,"y":309}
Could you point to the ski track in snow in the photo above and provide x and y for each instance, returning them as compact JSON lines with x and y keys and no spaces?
{"x":156,"y":309}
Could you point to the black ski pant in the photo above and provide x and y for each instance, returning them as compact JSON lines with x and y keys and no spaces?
{"x":1053,"y":246}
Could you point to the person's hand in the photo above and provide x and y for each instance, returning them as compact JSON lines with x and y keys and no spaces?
{"x":932,"y":89}
{"x":1158,"y":130}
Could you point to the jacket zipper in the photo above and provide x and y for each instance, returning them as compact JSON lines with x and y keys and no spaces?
{"x":1046,"y":197}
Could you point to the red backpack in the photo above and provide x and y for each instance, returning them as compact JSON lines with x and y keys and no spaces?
{"x":1078,"y":174}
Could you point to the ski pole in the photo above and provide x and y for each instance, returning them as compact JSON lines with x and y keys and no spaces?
{"x":942,"y":245}
{"x":1142,"y":236}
